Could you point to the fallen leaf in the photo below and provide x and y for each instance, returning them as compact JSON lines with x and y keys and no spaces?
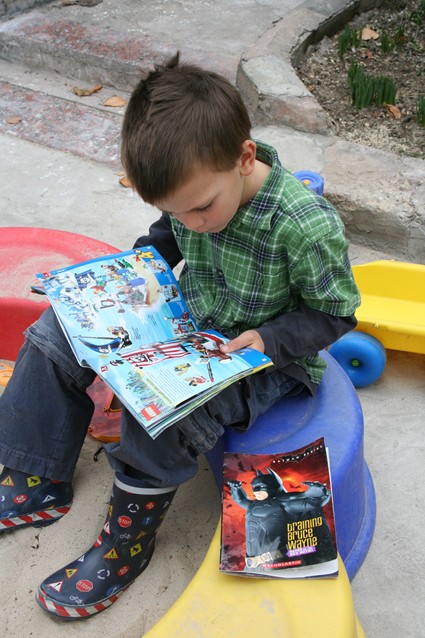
{"x":369,"y":34}
{"x":14,"y":120}
{"x":124,"y":181}
{"x":366,"y":54}
{"x":394,"y":111}
{"x":86,"y":92}
{"x":115,"y":100}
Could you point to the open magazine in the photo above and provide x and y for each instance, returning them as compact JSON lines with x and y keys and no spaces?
{"x":277,"y":518}
{"x":125,"y":317}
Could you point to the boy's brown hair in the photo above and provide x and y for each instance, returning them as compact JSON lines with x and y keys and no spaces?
{"x":178,"y":118}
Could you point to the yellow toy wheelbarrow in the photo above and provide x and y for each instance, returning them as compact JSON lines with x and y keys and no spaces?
{"x":391,"y":315}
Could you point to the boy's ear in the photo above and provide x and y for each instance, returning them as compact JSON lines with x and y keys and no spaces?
{"x":247,"y":158}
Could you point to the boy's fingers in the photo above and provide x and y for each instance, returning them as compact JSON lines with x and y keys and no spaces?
{"x":248,"y":339}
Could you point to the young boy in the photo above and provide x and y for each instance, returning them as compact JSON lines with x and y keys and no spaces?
{"x":265,"y":263}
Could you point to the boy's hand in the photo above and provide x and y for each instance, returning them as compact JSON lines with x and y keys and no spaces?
{"x":248,"y":339}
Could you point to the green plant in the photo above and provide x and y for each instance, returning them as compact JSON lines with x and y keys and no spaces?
{"x":418,"y":16}
{"x":391,"y":42}
{"x":367,"y":90}
{"x":387,"y":43}
{"x":420,"y":111}
{"x":349,"y":39}
{"x":360,"y":86}
{"x":399,"y":37}
{"x":384,"y":90}
{"x":343,"y":41}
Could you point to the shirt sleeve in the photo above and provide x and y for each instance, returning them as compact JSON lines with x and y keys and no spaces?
{"x":161,"y":236}
{"x":328,"y":297}
{"x":322,"y":278}
{"x":301,"y":333}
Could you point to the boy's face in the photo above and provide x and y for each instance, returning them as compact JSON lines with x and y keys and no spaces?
{"x":209,"y":200}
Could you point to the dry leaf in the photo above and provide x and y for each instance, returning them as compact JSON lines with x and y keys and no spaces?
{"x":394,"y":111}
{"x":14,"y":120}
{"x":86,"y":92}
{"x":369,"y":34}
{"x":115,"y":100}
{"x":124,"y":181}
{"x":366,"y":54}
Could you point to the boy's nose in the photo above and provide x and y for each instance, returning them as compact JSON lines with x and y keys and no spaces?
{"x":192,"y":221}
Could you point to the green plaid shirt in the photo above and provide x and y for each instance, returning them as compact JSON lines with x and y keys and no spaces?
{"x":284,"y":246}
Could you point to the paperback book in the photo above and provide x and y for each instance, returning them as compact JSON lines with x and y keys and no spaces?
{"x":277,"y":517}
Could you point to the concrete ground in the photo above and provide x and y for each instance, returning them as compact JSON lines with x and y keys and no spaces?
{"x":57,"y":176}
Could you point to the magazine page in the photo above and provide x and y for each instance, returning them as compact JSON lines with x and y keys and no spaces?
{"x":200,"y":373}
{"x":189,"y":367}
{"x":125,"y":317}
{"x":110,"y":303}
{"x":278,"y":519}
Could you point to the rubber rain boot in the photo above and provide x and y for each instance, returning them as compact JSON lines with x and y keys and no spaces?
{"x":120,"y":554}
{"x":26,"y":499}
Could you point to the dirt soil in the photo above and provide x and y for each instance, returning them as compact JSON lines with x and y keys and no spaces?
{"x":325,"y":75}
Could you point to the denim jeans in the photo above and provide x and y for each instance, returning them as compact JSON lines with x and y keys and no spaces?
{"x":45,"y":413}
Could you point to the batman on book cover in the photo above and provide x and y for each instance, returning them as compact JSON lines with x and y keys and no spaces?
{"x":283,"y":528}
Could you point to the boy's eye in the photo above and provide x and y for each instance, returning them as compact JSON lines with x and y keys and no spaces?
{"x":205,"y":208}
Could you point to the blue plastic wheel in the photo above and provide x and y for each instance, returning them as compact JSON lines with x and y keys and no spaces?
{"x":361,"y":356}
{"x":314,"y":181}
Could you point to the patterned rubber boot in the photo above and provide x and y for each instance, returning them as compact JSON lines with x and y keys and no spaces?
{"x":31,"y":500}
{"x":120,"y":554}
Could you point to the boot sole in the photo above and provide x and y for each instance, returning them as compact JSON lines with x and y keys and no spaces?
{"x":70,"y":612}
{"x":36,"y":519}
{"x":79,"y":612}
